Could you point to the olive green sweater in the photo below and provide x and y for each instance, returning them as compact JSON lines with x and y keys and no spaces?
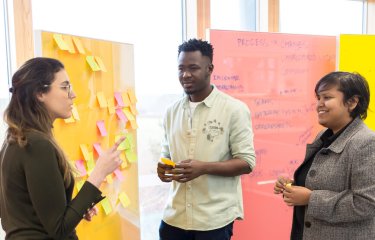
{"x":34,"y":204}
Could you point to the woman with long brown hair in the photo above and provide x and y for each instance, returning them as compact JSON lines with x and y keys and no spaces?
{"x":36,"y":179}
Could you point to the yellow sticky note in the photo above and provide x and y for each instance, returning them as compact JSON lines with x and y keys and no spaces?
{"x":128,"y":114}
{"x":130,"y":155}
{"x":101,"y":99}
{"x":124,"y":199}
{"x":69,"y":42}
{"x":79,"y":45}
{"x":75,"y":112}
{"x":132,"y":97}
{"x":133,"y":124}
{"x":124,"y":163}
{"x":85,"y":151}
{"x":91,"y":61}
{"x":288,"y":185}
{"x":69,"y":120}
{"x":168,"y":162}
{"x":106,"y":206}
{"x":100,"y":62}
{"x":79,"y":184}
{"x":111,"y":106}
{"x":60,"y":42}
{"x":133,"y":110}
{"x":125,"y":99}
{"x":90,"y":163}
{"x":109,"y":179}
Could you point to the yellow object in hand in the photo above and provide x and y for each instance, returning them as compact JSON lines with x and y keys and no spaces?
{"x":288,"y":185}
{"x":168,"y":162}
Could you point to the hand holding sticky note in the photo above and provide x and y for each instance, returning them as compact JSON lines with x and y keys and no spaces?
{"x":288,"y":185}
{"x":168,"y":162}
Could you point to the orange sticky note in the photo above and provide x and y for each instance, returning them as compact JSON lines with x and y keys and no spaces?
{"x":132,"y":97}
{"x":75,"y":112}
{"x":79,"y":46}
{"x":101,"y":126}
{"x":69,"y":42}
{"x":91,"y":61}
{"x":85,"y":151}
{"x":101,"y":99}
{"x":106,"y":206}
{"x":100,"y":62}
{"x":168,"y":162}
{"x":124,"y":199}
{"x":60,"y":42}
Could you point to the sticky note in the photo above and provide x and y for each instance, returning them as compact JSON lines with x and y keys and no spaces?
{"x":75,"y":112}
{"x":69,"y":120}
{"x":168,"y":162}
{"x":128,"y":114}
{"x":98,"y":148}
{"x":288,"y":185}
{"x":125,"y":98}
{"x":124,"y":163}
{"x":121,"y":115}
{"x":122,"y":145}
{"x":69,"y":42}
{"x":124,"y":199}
{"x":79,"y":184}
{"x":101,"y":126}
{"x":106,"y":206}
{"x":130,"y":155}
{"x":77,"y":42}
{"x":111,"y":106}
{"x":101,"y":99}
{"x":133,"y":110}
{"x":91,"y":61}
{"x":132,"y":97}
{"x":80,"y":164}
{"x":90,"y":163}
{"x":85,"y":151}
{"x":119,"y":100}
{"x":100,"y":62}
{"x":119,"y":175}
{"x":109,"y":179}
{"x":133,"y":124}
{"x":60,"y":42}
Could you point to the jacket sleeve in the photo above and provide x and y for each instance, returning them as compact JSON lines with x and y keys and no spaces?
{"x":47,"y":192}
{"x":356,"y":203}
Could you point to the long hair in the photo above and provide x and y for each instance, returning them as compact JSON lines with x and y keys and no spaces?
{"x":25,"y":113}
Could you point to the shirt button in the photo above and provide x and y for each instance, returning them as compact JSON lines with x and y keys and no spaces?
{"x":312,"y":173}
{"x":308,"y":224}
{"x":189,"y":205}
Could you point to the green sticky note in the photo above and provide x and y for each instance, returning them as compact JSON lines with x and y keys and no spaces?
{"x":106,"y":206}
{"x":130,"y":155}
{"x":122,"y":145}
{"x":79,"y":184}
{"x":90,"y":162}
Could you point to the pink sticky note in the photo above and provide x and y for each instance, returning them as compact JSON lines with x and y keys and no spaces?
{"x":81,"y":167}
{"x":119,"y":100}
{"x":121,"y":115}
{"x":119,"y":175}
{"x":98,"y":148}
{"x":101,"y":126}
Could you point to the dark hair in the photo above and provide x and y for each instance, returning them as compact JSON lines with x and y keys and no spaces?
{"x":197,"y":45}
{"x":25,"y":113}
{"x":351,"y":85}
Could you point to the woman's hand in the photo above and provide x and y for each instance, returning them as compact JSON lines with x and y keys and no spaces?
{"x":296,"y":195}
{"x":280,"y":184}
{"x":91,"y":213}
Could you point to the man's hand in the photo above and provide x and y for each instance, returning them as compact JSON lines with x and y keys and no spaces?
{"x":188,"y":170}
{"x":164,"y":172}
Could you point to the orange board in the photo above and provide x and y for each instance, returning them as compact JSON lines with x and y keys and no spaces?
{"x":275,"y":75}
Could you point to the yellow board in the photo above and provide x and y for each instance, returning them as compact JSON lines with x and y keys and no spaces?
{"x":121,"y":223}
{"x":357,"y":55}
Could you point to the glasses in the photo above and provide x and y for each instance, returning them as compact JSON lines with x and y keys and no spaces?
{"x":68,"y":88}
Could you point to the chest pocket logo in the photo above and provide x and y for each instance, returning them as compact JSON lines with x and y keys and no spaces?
{"x":213,"y":130}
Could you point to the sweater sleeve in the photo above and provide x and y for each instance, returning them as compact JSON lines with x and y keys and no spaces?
{"x":47,"y":192}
